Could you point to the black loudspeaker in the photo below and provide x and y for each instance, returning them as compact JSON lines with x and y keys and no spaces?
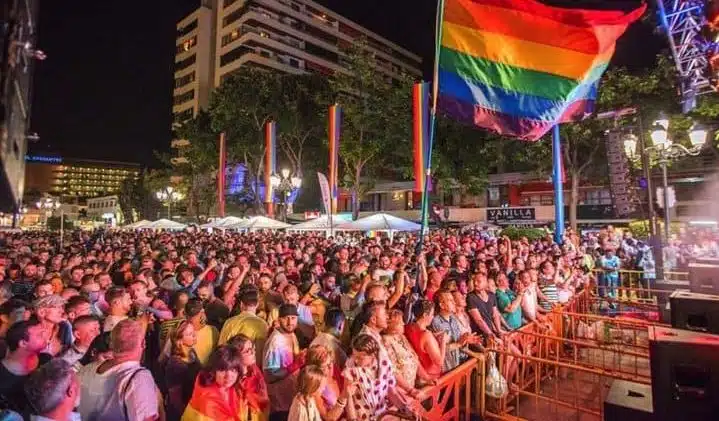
{"x":704,"y":278}
{"x":695,"y":312}
{"x":685,"y":374}
{"x":628,"y":401}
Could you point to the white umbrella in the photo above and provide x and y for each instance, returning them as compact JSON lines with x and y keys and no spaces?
{"x":318,"y":224}
{"x":259,"y":223}
{"x":138,"y":225}
{"x":166,"y":224}
{"x":223,"y":222}
{"x":380,"y":222}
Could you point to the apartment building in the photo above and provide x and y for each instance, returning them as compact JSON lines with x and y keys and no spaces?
{"x":194,"y":61}
{"x":291,"y":36}
{"x":70,"y":178}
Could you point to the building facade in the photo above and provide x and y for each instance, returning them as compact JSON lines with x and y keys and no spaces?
{"x":194,"y":61}
{"x":106,"y":208}
{"x":18,"y":34}
{"x":69,"y":178}
{"x":290,"y":36}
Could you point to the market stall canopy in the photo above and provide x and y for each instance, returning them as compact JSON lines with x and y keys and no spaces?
{"x":380,"y":222}
{"x":318,"y":224}
{"x":165,"y":224}
{"x":223,"y":222}
{"x":258,"y":223}
{"x":138,"y":225}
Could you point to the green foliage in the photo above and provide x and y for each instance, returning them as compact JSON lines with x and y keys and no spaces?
{"x":641,"y":229}
{"x":530,"y":234}
{"x":199,"y":171}
{"x":376,"y":123}
{"x":136,"y":198}
{"x":53,"y":223}
{"x":301,"y":115}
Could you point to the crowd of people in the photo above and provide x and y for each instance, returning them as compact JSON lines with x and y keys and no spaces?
{"x":198,"y":326}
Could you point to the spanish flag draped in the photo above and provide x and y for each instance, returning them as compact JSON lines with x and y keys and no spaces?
{"x":209,"y":403}
{"x":519,"y":67}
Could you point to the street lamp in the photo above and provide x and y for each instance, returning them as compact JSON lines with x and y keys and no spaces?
{"x":285,"y":183}
{"x":169,"y":195}
{"x":664,"y":150}
{"x":50,"y":205}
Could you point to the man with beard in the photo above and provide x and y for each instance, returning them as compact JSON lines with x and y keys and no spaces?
{"x":206,"y":334}
{"x":281,"y":362}
{"x":216,"y":310}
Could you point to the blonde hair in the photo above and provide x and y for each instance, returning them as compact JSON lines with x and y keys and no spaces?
{"x":49,"y":301}
{"x":319,"y":355}
{"x":176,"y":348}
{"x":310,"y":380}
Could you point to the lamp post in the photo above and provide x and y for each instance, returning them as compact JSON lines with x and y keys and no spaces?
{"x":168,"y":195}
{"x":285,"y":183}
{"x":49,"y":205}
{"x":664,"y":150}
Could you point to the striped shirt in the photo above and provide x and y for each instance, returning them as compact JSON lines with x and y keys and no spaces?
{"x":550,"y":291}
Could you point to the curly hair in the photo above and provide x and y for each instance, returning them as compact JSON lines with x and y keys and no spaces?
{"x":366,"y":344}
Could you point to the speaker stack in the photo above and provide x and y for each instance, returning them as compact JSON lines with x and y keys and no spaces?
{"x":628,"y":401}
{"x":685,"y":374}
{"x":704,"y":276}
{"x":694,"y":311}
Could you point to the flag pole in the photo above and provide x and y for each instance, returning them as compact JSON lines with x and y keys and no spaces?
{"x":558,"y":185}
{"x":432,"y":124}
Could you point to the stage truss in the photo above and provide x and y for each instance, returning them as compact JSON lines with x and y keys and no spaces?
{"x":684,"y":22}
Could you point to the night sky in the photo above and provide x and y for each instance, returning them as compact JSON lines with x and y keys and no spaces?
{"x":105,"y":90}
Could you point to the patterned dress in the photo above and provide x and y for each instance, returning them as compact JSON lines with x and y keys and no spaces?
{"x":372,"y":388}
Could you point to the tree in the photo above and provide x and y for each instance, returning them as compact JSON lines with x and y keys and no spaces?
{"x":376,"y":123}
{"x":198,"y":169}
{"x":301,"y":115}
{"x":241,"y":107}
{"x":136,"y":198}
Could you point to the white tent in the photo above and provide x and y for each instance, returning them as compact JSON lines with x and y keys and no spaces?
{"x":380,"y":222}
{"x":138,"y":225}
{"x":166,"y":224}
{"x":223,"y":222}
{"x":318,"y":224}
{"x":258,"y":223}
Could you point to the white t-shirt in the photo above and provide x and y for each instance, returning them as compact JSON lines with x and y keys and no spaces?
{"x":102,"y":397}
{"x":529,"y":302}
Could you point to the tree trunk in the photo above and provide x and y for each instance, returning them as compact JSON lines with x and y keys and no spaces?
{"x":573,"y":200}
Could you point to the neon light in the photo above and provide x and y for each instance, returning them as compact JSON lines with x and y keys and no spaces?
{"x":46,"y":159}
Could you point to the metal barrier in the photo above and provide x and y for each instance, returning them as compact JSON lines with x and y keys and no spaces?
{"x":632,"y":284}
{"x":567,"y":361}
{"x":457,"y":395}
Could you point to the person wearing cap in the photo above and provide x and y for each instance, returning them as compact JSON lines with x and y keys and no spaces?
{"x":282,"y":360}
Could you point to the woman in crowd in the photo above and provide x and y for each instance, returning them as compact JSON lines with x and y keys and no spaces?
{"x":254,"y":402}
{"x":404,"y":358}
{"x":309,"y":390}
{"x":332,"y":399}
{"x":375,"y":384}
{"x":215,"y":395}
{"x":179,"y":367}
{"x":430,"y":347}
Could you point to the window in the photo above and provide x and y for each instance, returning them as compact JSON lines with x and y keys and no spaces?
{"x":181,"y":99}
{"x":187,"y":29}
{"x":321,"y":52}
{"x":598,"y":197}
{"x":228,"y":38}
{"x":189,"y":61}
{"x":234,"y":16}
{"x":184,"y":80}
{"x":547,"y":200}
{"x":321,"y":34}
{"x":235,"y":54}
{"x":184,"y":115}
{"x":186,"y":45}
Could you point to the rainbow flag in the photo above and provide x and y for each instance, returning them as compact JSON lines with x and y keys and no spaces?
{"x":420,"y":115}
{"x":333,"y":135}
{"x":270,"y":158}
{"x":518,"y":67}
